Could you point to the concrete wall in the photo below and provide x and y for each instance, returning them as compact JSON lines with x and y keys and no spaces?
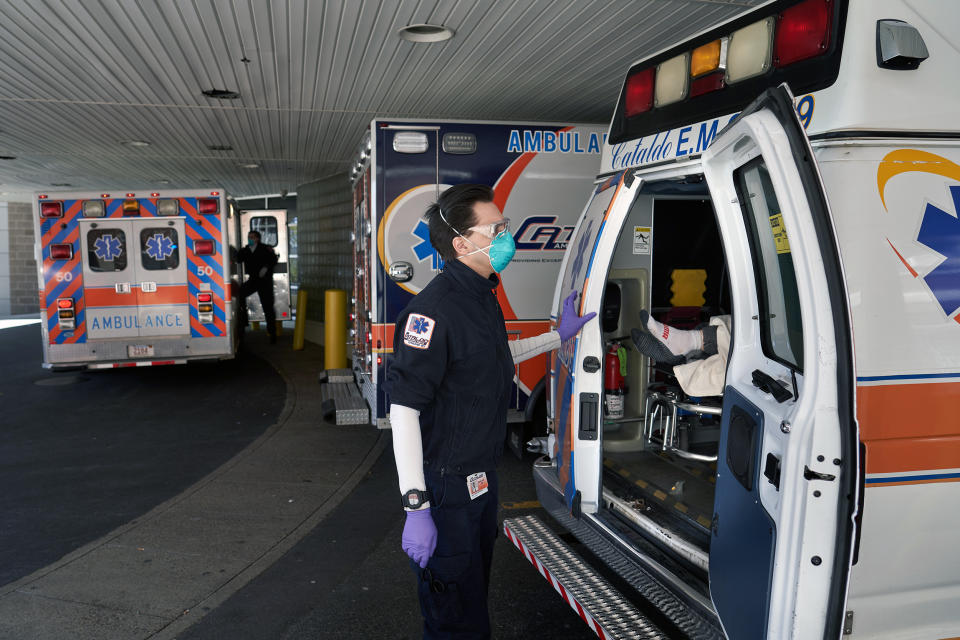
{"x":18,"y":269}
{"x":324,"y":220}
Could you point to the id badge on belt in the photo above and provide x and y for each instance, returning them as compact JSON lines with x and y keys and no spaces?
{"x":477,"y":484}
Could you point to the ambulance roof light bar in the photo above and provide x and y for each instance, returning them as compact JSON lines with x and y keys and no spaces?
{"x":722,"y":70}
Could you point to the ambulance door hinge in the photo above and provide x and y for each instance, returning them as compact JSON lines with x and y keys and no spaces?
{"x":848,"y":623}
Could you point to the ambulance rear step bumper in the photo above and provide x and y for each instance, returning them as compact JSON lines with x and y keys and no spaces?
{"x":342,"y":403}
{"x":599,"y":604}
{"x":685,"y":611}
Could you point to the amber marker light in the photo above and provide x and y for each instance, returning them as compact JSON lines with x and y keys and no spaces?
{"x":705,"y":58}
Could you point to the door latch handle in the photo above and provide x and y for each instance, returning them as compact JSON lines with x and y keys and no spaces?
{"x":810,"y":474}
{"x":771,"y":470}
{"x":148,"y":287}
{"x":765,"y":382}
{"x":591,"y":364}
{"x":122,"y":287}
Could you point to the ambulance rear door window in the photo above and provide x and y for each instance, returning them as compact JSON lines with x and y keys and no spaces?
{"x":267,"y":227}
{"x":781,"y":327}
{"x":159,"y":248}
{"x":106,"y":250}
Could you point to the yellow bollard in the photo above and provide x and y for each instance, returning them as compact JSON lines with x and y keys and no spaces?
{"x":335,"y":329}
{"x":256,"y":325}
{"x":299,"y":326}
{"x":279,"y":325}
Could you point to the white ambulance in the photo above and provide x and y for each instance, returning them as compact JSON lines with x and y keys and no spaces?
{"x":136,"y":278}
{"x":802,"y":161}
{"x":538,"y":172}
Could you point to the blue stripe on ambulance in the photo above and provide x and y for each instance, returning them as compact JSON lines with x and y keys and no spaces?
{"x":57,"y":291}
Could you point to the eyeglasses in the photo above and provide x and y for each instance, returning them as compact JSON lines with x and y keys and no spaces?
{"x":493,"y":229}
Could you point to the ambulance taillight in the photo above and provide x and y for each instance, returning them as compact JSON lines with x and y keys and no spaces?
{"x":203,"y":247}
{"x":639,"y":94}
{"x":51,"y":209}
{"x":168,"y":207}
{"x":66,"y":314}
{"x":62,"y":251}
{"x":705,"y":71}
{"x":94,"y":209}
{"x":205,"y":307}
{"x":672,"y":80}
{"x":208,"y":206}
{"x":749,"y":51}
{"x":803,"y":32}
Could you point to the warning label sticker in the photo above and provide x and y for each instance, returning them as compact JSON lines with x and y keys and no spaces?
{"x":642,"y":240}
{"x":779,"y":233}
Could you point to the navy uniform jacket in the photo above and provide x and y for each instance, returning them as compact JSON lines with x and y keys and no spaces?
{"x":253,"y":261}
{"x":452,"y":363}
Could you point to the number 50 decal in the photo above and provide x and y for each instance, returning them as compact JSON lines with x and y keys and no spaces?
{"x":204,"y":270}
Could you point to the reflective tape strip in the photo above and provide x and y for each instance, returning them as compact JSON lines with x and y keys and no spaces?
{"x":604,"y":609}
{"x":142,"y":363}
{"x":566,"y":595}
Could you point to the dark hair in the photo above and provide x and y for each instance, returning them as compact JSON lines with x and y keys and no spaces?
{"x":457,"y":206}
{"x":253,"y":232}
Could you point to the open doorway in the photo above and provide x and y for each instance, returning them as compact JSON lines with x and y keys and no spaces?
{"x":659,"y":443}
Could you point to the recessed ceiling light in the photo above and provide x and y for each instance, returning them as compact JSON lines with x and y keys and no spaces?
{"x":136,"y":143}
{"x":60,"y":184}
{"x":221,"y":94}
{"x":219,"y":147}
{"x":163,"y":181}
{"x":8,"y":157}
{"x":425,"y":33}
{"x":248,"y":165}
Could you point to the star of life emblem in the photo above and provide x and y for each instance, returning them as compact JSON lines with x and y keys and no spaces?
{"x":418,"y":331}
{"x":107,"y":248}
{"x":159,"y":247}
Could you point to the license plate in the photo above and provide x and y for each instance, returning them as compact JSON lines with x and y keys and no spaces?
{"x":140,"y":350}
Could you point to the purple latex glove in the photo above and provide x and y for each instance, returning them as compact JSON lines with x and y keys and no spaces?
{"x":570,"y":323}
{"x":419,"y":537}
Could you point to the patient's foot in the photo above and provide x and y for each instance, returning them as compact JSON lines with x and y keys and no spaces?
{"x":648,"y":344}
{"x":679,"y":341}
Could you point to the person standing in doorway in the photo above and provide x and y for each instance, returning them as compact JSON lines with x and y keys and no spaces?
{"x":258,"y":261}
{"x":449,"y":385}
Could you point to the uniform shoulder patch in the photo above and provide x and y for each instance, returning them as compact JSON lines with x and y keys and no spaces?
{"x":418,"y":331}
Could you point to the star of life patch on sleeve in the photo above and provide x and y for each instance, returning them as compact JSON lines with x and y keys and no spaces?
{"x":418,"y":331}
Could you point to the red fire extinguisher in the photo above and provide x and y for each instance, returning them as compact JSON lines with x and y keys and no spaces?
{"x":614,"y":386}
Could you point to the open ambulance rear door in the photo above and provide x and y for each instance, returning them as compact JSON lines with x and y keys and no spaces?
{"x":783,"y":528}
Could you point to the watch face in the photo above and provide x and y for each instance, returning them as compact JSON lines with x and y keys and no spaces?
{"x":413,"y":499}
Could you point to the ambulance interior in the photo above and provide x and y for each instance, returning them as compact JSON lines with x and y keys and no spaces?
{"x":660,"y":449}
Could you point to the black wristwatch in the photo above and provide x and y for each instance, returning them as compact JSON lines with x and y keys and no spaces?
{"x":415,"y":498}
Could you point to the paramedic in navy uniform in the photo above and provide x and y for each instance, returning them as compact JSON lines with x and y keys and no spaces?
{"x":258,"y":262}
{"x":449,"y":386}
